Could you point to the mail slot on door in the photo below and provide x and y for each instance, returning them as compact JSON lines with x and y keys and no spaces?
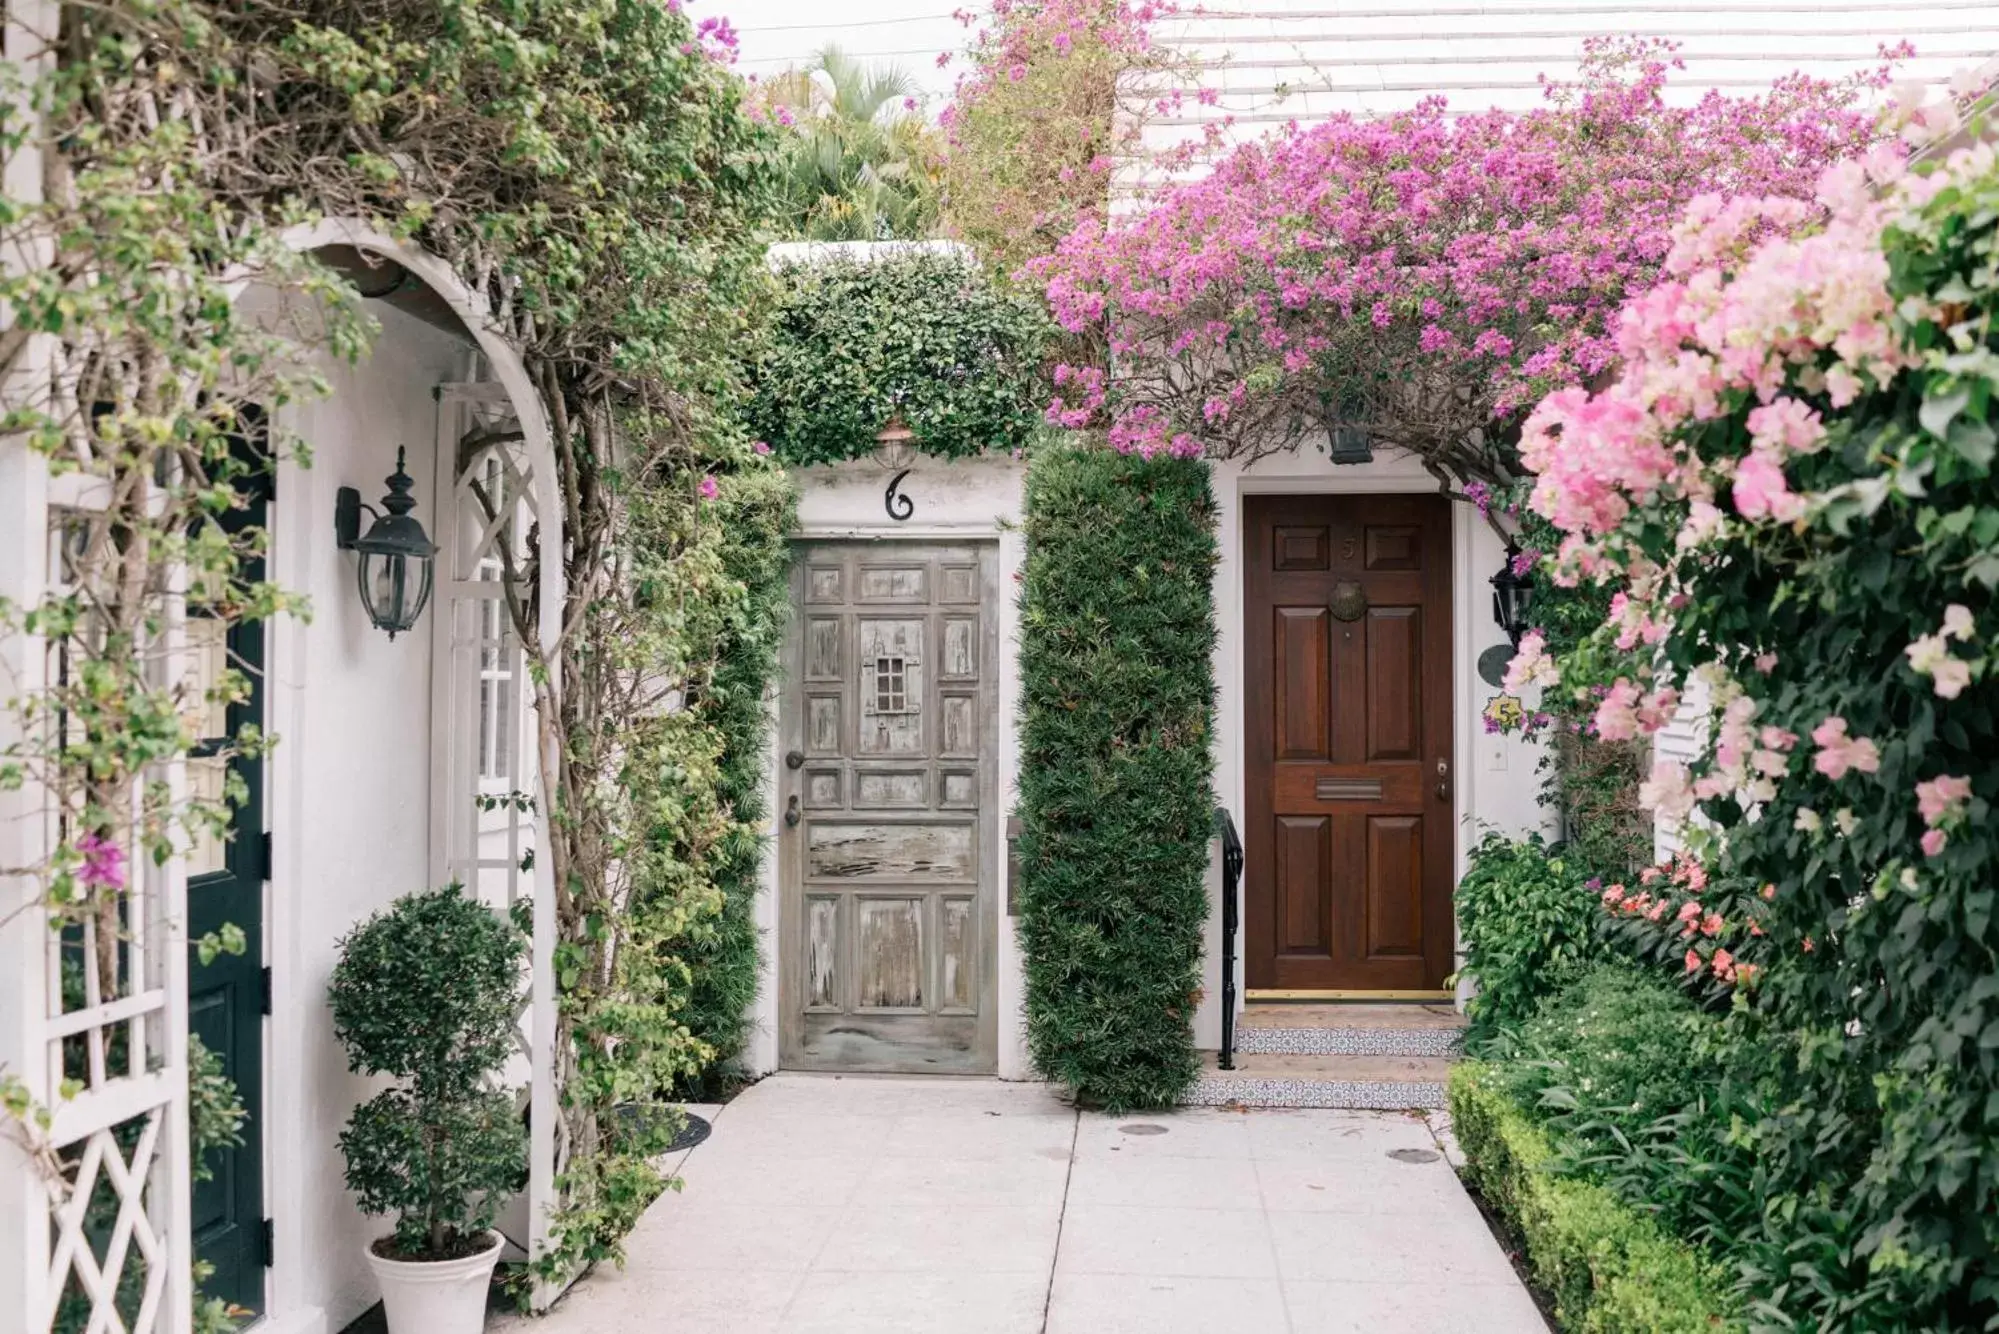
{"x":1347,"y":789}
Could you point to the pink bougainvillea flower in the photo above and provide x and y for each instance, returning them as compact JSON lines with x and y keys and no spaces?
{"x":103,"y":862}
{"x":1766,"y":663}
{"x":1785,"y":426}
{"x":1933,"y":842}
{"x":1668,"y":791}
{"x":1531,"y":665}
{"x":1616,"y":716}
{"x":709,"y":488}
{"x":1942,"y":798}
{"x":1504,"y":241}
{"x":1839,"y":753}
{"x":760,"y":447}
{"x":1761,"y":492}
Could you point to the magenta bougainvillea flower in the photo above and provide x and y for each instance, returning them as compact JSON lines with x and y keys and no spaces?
{"x":1461,"y":265}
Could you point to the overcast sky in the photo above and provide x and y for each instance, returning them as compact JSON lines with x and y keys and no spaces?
{"x":909,"y":33}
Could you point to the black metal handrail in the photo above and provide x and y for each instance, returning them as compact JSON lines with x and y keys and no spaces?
{"x":1231,"y":921}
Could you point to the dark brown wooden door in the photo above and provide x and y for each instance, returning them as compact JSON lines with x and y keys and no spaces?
{"x":1349,"y":722}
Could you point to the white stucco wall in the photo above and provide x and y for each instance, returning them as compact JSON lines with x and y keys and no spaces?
{"x":349,"y":799}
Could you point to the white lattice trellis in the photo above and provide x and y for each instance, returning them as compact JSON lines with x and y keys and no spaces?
{"x":111,"y":1253}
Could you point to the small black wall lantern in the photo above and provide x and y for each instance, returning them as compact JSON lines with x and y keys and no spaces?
{"x":1350,"y":445}
{"x":394,"y":572}
{"x":1512,"y":594}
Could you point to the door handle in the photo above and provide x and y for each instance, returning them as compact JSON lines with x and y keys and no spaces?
{"x":791,"y":812}
{"x":794,"y":758}
{"x":1443,"y":780}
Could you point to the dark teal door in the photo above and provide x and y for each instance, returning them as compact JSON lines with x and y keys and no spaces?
{"x":227,"y":997}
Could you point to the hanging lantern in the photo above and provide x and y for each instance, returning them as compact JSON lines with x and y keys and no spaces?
{"x":395,"y":568}
{"x":1349,"y":445}
{"x":1512,"y":595}
{"x":894,"y":447}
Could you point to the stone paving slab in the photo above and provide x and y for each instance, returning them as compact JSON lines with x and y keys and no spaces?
{"x":949,"y":1206}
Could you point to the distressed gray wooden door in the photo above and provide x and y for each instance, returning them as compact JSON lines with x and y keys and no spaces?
{"x":886,"y":798}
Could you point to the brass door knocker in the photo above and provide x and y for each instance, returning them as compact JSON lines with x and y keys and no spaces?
{"x":1349,"y":600}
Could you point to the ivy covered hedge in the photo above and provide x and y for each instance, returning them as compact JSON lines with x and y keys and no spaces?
{"x":754,"y":512}
{"x":926,"y":336}
{"x":1118,"y":697}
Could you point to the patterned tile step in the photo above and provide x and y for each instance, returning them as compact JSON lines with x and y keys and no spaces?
{"x":1370,"y":1041}
{"x":1351,"y":1014}
{"x":1289,"y":1079}
{"x":1222,"y":1089}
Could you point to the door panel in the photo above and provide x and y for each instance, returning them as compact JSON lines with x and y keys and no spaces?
{"x":1348,"y":655}
{"x":887,"y":852}
{"x":1304,"y":644}
{"x":225,"y":886}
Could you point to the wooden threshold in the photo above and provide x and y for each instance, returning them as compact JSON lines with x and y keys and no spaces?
{"x":1255,"y":994}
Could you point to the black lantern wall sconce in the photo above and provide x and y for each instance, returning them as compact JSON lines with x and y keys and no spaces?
{"x":397,"y":556}
{"x":1348,"y":445}
{"x":1512,"y":595}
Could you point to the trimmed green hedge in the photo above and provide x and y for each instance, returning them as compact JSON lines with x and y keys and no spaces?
{"x":1611,"y":1269}
{"x":1116,"y":802}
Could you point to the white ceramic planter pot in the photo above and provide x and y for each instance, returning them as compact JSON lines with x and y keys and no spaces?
{"x":437,"y":1296}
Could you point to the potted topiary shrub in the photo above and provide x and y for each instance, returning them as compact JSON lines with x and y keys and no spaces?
{"x":426,"y":992}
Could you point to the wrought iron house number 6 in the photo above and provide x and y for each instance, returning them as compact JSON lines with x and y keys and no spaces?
{"x":899,"y":506}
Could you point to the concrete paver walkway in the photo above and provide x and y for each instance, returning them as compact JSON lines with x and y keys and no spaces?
{"x":975,"y":1207}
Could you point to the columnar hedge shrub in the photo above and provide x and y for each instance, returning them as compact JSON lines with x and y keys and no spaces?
{"x":1117,"y":629}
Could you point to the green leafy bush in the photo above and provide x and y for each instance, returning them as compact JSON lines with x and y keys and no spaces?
{"x":1610,"y":1268}
{"x":1117,"y":629}
{"x":754,"y":511}
{"x":1527,"y":921}
{"x":931,"y":338}
{"x":426,"y":991}
{"x":1639,"y":1088}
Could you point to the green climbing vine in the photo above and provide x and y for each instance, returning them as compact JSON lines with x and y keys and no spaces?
{"x":588,"y":171}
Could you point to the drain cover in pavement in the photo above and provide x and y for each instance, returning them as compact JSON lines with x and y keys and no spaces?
{"x":1413,"y":1155}
{"x":691,"y":1134}
{"x":1142,"y":1128}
